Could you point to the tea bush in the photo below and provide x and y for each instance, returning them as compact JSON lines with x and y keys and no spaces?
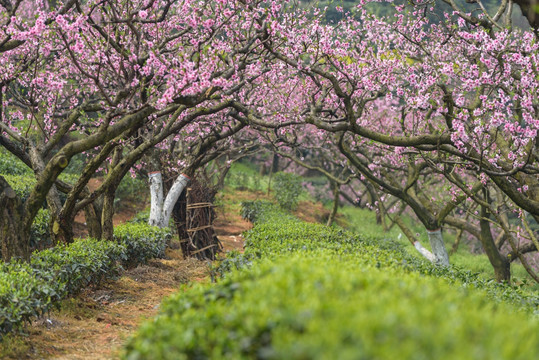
{"x":24,"y":295}
{"x":82,"y":263}
{"x":21,"y":184}
{"x":142,"y":242}
{"x":277,"y":234}
{"x":287,"y":189}
{"x":306,"y":291}
{"x":10,"y":165}
{"x":30,"y":289}
{"x":260,"y":211}
{"x":323,"y":306}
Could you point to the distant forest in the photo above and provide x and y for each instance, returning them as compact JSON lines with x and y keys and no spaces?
{"x":387,"y":9}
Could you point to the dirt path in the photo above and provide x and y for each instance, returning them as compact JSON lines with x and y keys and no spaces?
{"x":96,"y":323}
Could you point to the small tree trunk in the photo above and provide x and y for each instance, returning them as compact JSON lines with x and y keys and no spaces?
{"x":172,"y":197}
{"x":14,"y":239}
{"x":161,"y":211}
{"x":456,"y":244}
{"x":156,"y":196}
{"x":335,"y":208}
{"x":501,"y":265}
{"x":92,"y":214}
{"x":438,"y":247}
{"x":107,"y":225}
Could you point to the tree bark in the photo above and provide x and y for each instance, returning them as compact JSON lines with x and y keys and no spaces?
{"x":501,"y":265}
{"x":438,"y":247}
{"x":92,"y":213}
{"x":14,"y":239}
{"x":335,"y":208}
{"x":107,"y":225}
{"x":156,"y":197}
{"x":161,"y":209}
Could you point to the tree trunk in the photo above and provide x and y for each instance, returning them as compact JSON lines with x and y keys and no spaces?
{"x":14,"y":239}
{"x":92,"y":214}
{"x":501,"y":265}
{"x":438,"y":247}
{"x":335,"y":208}
{"x":156,"y":197}
{"x":161,"y":209}
{"x":107,"y":226}
{"x":408,"y":233}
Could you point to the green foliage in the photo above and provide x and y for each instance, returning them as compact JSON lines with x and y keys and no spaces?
{"x":21,"y":184}
{"x":10,"y":165}
{"x":82,"y":263}
{"x":287,"y":189}
{"x":280,"y":235}
{"x":245,"y":177}
{"x":261,"y":211}
{"x":306,"y":291}
{"x":40,"y":237}
{"x":142,"y":242}
{"x":23,"y":294}
{"x":129,"y":188}
{"x":24,"y":184}
{"x":323,"y":307}
{"x":28,"y":290}
{"x":142,"y":217}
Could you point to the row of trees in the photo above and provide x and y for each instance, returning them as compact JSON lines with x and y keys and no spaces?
{"x":438,"y":115}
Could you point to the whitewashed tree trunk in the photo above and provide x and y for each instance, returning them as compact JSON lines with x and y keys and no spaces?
{"x":423,"y":251}
{"x":156,"y":195}
{"x":161,"y":208}
{"x":438,"y":247}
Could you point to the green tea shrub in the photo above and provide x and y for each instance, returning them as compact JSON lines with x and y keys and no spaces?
{"x":24,"y":295}
{"x":84,"y":262}
{"x":278,"y":234}
{"x":287,"y":189}
{"x":142,"y":242}
{"x":28,"y":290}
{"x":307,"y":291}
{"x":261,"y":211}
{"x":142,"y":217}
{"x":10,"y":165}
{"x":21,"y":184}
{"x":328,"y":307}
{"x":129,"y":188}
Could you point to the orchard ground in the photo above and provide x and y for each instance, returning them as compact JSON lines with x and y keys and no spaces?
{"x":96,"y":323}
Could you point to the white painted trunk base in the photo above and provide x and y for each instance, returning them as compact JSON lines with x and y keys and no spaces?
{"x":438,"y":247}
{"x":423,"y":251}
{"x":161,"y":209}
{"x":156,"y":196}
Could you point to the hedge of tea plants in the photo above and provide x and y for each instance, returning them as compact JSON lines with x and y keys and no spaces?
{"x":28,"y":290}
{"x":142,"y":242}
{"x":306,"y":291}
